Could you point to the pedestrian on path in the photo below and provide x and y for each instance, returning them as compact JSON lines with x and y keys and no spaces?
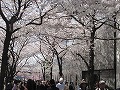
{"x":83,"y":85}
{"x":66,"y":86}
{"x":61,"y":84}
{"x":52,"y":85}
{"x":102,"y":86}
{"x":71,"y":86}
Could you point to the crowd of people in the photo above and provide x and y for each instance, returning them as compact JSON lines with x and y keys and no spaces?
{"x":53,"y":85}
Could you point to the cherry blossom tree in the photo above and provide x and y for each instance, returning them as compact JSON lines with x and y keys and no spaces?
{"x":16,"y":15}
{"x":92,"y":15}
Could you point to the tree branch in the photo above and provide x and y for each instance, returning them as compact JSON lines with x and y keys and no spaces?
{"x":77,"y":20}
{"x":83,"y":60}
{"x":100,"y":25}
{"x":2,"y":15}
{"x":3,"y":28}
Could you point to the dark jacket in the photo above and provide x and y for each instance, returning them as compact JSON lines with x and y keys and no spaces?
{"x":42,"y":87}
{"x":53,"y":87}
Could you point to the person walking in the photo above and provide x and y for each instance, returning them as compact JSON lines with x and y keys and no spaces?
{"x":83,"y":85}
{"x":66,"y":86}
{"x":43,"y":86}
{"x":31,"y":85}
{"x":61,"y":84}
{"x":102,"y":86}
{"x":52,"y":85}
{"x":71,"y":86}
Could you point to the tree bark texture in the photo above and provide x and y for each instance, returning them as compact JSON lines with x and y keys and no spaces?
{"x":91,"y":62}
{"x":4,"y":59}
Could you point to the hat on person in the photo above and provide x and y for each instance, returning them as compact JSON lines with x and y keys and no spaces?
{"x":102,"y":82}
{"x":61,"y":80}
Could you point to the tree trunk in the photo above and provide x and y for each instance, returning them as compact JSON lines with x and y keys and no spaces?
{"x":44,"y":73}
{"x":60,"y":71}
{"x":51,"y":73}
{"x":4,"y":59}
{"x":59,"y":59}
{"x":60,"y":67}
{"x":91,"y":62}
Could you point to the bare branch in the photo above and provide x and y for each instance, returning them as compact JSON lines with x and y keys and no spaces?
{"x":79,"y":21}
{"x":1,"y":13}
{"x":107,"y":39}
{"x":3,"y":28}
{"x":16,"y":29}
{"x":40,"y":17}
{"x":100,"y":25}
{"x":23,"y":64}
{"x":83,"y":60}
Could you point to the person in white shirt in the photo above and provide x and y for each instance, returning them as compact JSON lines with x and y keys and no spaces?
{"x":61,"y":84}
{"x":102,"y":86}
